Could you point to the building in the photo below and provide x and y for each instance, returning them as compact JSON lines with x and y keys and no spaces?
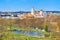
{"x":39,"y":14}
{"x":32,"y":11}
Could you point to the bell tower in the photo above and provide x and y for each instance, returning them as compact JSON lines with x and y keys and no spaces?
{"x":32,"y":11}
{"x":41,"y":13}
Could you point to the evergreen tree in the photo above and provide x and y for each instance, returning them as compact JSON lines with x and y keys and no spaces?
{"x":46,"y":28}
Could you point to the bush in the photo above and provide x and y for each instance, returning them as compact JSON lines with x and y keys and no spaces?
{"x":46,"y":28}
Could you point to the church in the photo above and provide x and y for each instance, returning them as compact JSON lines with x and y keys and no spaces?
{"x":37,"y":14}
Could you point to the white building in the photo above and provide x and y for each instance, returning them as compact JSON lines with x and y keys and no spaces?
{"x":40,"y":14}
{"x":32,"y":11}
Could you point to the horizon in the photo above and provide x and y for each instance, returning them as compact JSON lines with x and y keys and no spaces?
{"x":26,"y":5}
{"x":28,"y":11}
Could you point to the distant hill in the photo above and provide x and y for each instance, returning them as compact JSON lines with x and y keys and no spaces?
{"x":54,"y":11}
{"x":38,"y":11}
{"x":25,"y":12}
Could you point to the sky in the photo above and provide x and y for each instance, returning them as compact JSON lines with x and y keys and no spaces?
{"x":26,"y":5}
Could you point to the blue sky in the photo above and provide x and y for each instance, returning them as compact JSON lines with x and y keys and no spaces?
{"x":26,"y":5}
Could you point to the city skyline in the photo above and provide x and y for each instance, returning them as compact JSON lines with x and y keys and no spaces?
{"x":26,"y":5}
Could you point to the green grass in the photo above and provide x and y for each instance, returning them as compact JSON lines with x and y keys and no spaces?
{"x":20,"y":37}
{"x":23,"y":37}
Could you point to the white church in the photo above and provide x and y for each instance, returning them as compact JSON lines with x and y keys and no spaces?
{"x":40,"y":14}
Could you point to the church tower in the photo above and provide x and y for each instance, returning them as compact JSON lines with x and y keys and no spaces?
{"x":41,"y":13}
{"x":32,"y":11}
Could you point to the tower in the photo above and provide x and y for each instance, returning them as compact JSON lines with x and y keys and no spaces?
{"x":41,"y":12}
{"x":32,"y":11}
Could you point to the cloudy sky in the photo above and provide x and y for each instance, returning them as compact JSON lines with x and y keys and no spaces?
{"x":26,"y":5}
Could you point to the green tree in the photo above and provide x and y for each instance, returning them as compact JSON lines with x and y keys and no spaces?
{"x":46,"y":28}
